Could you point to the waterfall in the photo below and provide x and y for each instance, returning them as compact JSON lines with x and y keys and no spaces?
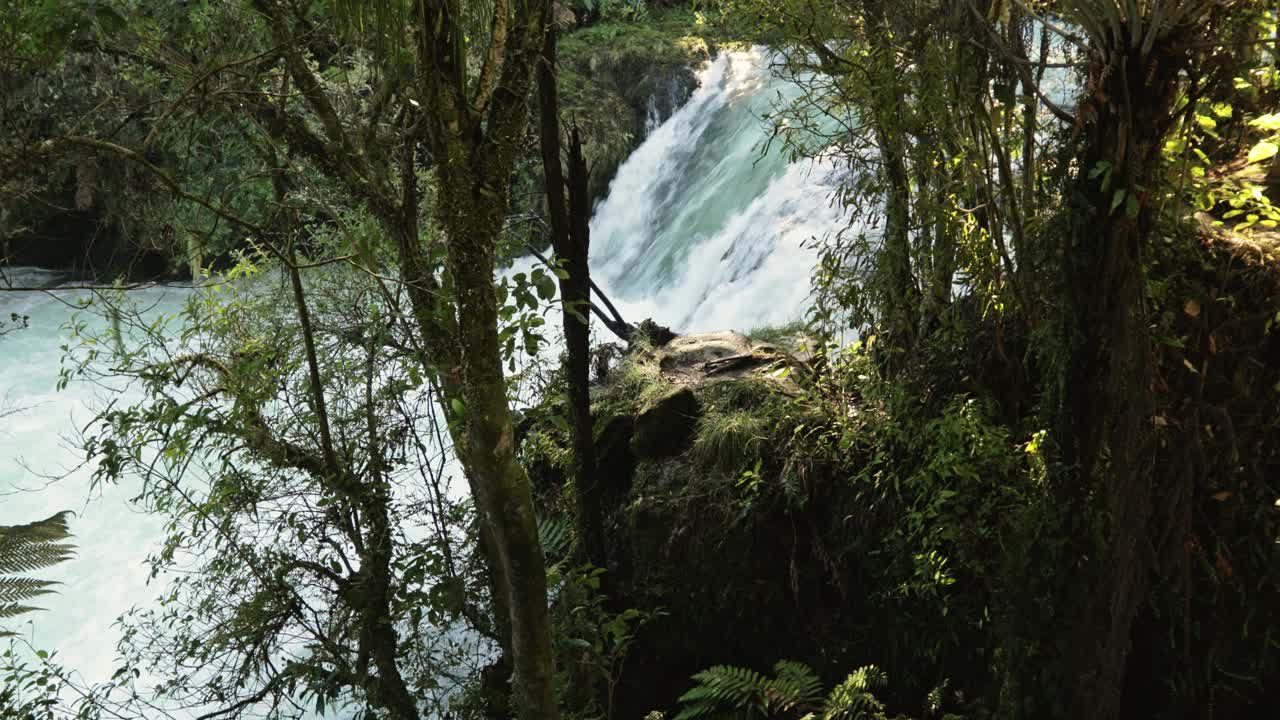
{"x":701,"y":230}
{"x":705,"y":229}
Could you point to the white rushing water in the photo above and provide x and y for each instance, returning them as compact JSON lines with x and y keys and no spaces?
{"x":40,"y":474}
{"x":701,"y":231}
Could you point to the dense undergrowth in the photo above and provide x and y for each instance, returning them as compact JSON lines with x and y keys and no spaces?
{"x":839,"y":517}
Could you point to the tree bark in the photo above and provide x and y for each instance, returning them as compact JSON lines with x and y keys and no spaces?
{"x":570,"y":237}
{"x":900,"y":294}
{"x":498,"y":483}
{"x":1108,"y":429}
{"x":474,"y":154}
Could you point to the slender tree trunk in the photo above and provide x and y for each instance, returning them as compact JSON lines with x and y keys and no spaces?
{"x":475,"y":139}
{"x":901,"y":297}
{"x":472,"y":220}
{"x":374,"y":593}
{"x":437,"y":327}
{"x":370,"y":593}
{"x":570,"y":237}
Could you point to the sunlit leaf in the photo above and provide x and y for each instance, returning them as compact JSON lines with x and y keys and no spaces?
{"x":1269,"y":122}
{"x":1263,"y":151}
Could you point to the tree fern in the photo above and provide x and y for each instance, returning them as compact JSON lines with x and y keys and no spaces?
{"x":26,"y":548}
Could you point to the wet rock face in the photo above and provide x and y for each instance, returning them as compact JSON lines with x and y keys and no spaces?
{"x":666,"y":427}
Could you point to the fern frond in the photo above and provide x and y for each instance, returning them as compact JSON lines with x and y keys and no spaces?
{"x":854,"y":699}
{"x":35,"y":545}
{"x":24,"y":548}
{"x":553,"y":536}
{"x":8,"y":610}
{"x":723,"y":686}
{"x":795,"y":686}
{"x":795,"y":690}
{"x":16,"y":589}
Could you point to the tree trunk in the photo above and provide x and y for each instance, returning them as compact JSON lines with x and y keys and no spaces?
{"x":570,"y":237}
{"x":475,"y":140}
{"x":437,"y":334}
{"x":473,"y":220}
{"x":1108,"y":429}
{"x":901,"y":298}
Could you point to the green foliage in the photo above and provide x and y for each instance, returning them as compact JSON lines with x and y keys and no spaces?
{"x":1204,"y":172}
{"x":732,"y":440}
{"x":781,"y":335}
{"x":592,"y":641}
{"x":854,"y":699}
{"x":636,"y":381}
{"x":522,"y":298}
{"x":24,"y":549}
{"x":76,"y":72}
{"x":794,"y":691}
{"x":618,"y":10}
{"x":554,"y":535}
{"x":609,"y":70}
{"x":29,"y":690}
{"x":224,"y":436}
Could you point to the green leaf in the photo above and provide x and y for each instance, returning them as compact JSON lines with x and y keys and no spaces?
{"x":1269,"y":122}
{"x":546,"y":286}
{"x":1263,"y":151}
{"x":458,"y":408}
{"x":1117,"y":198}
{"x":1131,"y":206}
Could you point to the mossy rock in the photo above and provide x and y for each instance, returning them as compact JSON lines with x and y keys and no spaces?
{"x":610,"y":72}
{"x":666,"y":426}
{"x":615,"y":461}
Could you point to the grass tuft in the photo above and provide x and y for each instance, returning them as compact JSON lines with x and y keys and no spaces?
{"x":732,"y":440}
{"x":783,"y":335}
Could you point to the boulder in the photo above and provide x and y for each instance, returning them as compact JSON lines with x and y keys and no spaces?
{"x":704,"y":358}
{"x":666,"y":426}
{"x":690,"y":351}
